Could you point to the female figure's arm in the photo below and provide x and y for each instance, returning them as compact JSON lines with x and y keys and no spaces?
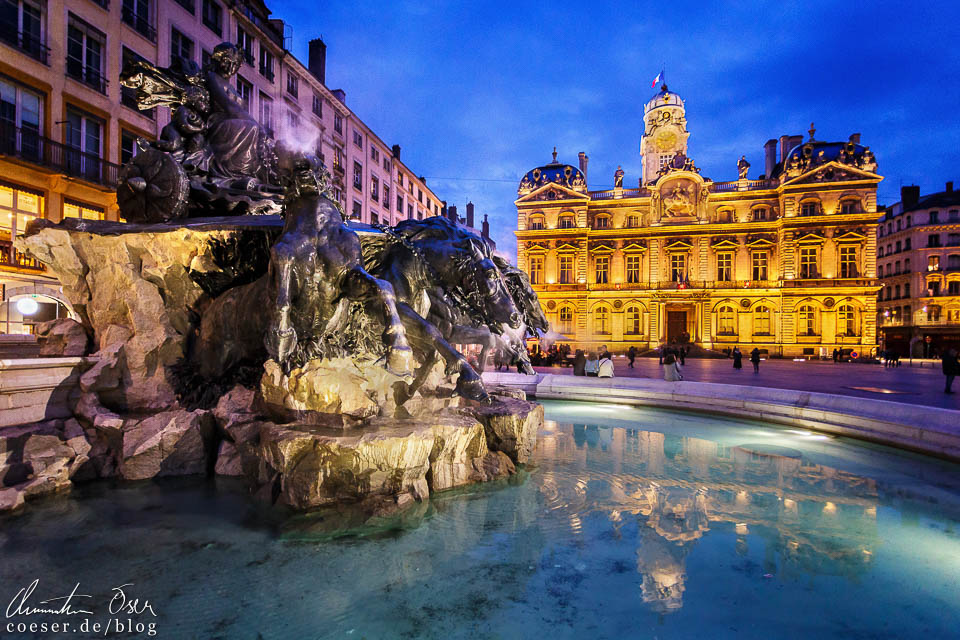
{"x":224,"y":98}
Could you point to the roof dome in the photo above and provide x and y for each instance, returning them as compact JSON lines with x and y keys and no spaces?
{"x":665,"y":98}
{"x":562,"y":174}
{"x":813,"y":153}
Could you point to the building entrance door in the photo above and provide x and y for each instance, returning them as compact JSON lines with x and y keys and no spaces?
{"x":676,"y":325}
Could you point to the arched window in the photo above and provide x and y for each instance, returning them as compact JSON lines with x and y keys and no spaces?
{"x":633,"y":221}
{"x":632,"y":319}
{"x":725,"y":215}
{"x":853,"y":206}
{"x":565,"y":320}
{"x":726,"y":321}
{"x":601,"y":222}
{"x":810,"y":208}
{"x":807,"y":317}
{"x":847,"y":324}
{"x":567,"y":221}
{"x":761,"y":321}
{"x":537,"y":222}
{"x":601,"y":321}
{"x":761,"y":214}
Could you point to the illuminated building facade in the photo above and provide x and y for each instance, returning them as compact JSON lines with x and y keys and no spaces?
{"x":785,"y":262}
{"x":918,"y":262}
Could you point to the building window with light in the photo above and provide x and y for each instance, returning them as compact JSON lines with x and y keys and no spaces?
{"x":852,"y":206}
{"x":565,"y":268}
{"x":357,"y":176}
{"x":633,"y":268}
{"x":759,"y":265}
{"x":565,"y":318}
{"x":74,"y":209}
{"x":17,"y":208}
{"x":809,"y":208}
{"x":725,"y":266}
{"x":933,"y":263}
{"x":847,"y":323}
{"x":601,"y":321}
{"x":807,"y":316}
{"x":537,"y":223}
{"x":761,"y":321}
{"x":536,"y":269}
{"x":602,"y":222}
{"x":631,"y":323}
{"x":375,"y":188}
{"x":633,"y":221}
{"x":760,"y":214}
{"x":601,"y":267}
{"x":566,"y":222}
{"x":727,"y":321}
{"x":808,"y":262}
{"x":848,"y":262}
{"x":678,"y":267}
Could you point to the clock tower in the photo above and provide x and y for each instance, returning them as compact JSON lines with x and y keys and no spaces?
{"x":665,"y":132}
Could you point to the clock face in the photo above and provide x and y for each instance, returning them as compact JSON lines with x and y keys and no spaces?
{"x":666,"y":139}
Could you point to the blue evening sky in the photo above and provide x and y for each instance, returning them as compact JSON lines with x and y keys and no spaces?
{"x":478,"y":93}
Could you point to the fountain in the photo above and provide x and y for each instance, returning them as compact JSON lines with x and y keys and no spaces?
{"x":240,"y":327}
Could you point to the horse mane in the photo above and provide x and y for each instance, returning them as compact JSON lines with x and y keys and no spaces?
{"x":375,"y":248}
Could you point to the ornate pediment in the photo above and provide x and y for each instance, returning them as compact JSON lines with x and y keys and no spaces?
{"x":725,"y":242}
{"x":810,"y":236}
{"x":538,"y":247}
{"x":850,"y":235}
{"x":832,"y":171}
{"x":634,"y":246}
{"x":550,"y":191}
{"x":567,"y":245}
{"x":758,"y":240}
{"x":605,"y":246}
{"x":680,"y":244}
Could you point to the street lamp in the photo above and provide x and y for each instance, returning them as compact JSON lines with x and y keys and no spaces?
{"x":27,"y":306}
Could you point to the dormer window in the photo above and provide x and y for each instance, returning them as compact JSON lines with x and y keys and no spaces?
{"x":536,"y":223}
{"x":853,"y":206}
{"x":761,"y":214}
{"x":601,"y":222}
{"x":566,"y":222}
{"x":810,"y":208}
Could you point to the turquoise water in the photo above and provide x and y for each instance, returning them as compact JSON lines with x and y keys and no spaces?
{"x":631,"y":523}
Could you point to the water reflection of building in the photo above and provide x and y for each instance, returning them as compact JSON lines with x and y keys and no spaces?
{"x":808,"y":517}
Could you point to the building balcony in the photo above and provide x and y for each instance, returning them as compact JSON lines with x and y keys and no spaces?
{"x":10,"y":258}
{"x":829,"y":282}
{"x":140,"y":24}
{"x":24,"y":42}
{"x":89,"y":76}
{"x":31,"y":147}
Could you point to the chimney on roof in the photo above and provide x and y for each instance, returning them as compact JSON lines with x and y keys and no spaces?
{"x":396,"y":151}
{"x":583,"y":164}
{"x":452,"y":213}
{"x":340,"y":95}
{"x":470,"y":215}
{"x":950,"y":187}
{"x":770,"y":157}
{"x":317,"y":61}
{"x":855,"y":138}
{"x":909,"y":197}
{"x":485,"y":231}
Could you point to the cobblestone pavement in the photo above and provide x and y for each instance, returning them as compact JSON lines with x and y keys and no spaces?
{"x":912,"y":385}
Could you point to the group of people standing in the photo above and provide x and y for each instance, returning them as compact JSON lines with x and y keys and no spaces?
{"x":737,"y":356}
{"x":595,"y":365}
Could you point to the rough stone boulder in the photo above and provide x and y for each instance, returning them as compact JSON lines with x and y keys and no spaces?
{"x":169,"y":443}
{"x":63,"y":337}
{"x":41,"y":458}
{"x":511,"y":425}
{"x":135,"y":297}
{"x":330,"y":390}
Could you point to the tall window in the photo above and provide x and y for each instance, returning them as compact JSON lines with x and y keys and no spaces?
{"x":852,"y":206}
{"x":180,"y":46}
{"x":761,"y":320}
{"x":357,"y":210}
{"x":128,"y":146}
{"x":565,"y":317}
{"x":20,"y":109}
{"x":399,"y":203}
{"x":601,"y":320}
{"x":83,"y":136}
{"x":761,"y":214}
{"x":848,"y":262}
{"x":338,"y":123}
{"x":631,"y":320}
{"x":536,"y":269}
{"x":565,"y":268}
{"x":23,"y":26}
{"x":809,"y":208}
{"x":633,"y":268}
{"x":759,"y":265}
{"x":566,"y":222}
{"x":266,"y":63}
{"x":245,"y":91}
{"x":136,"y":13}
{"x":602,"y":222}
{"x":536,"y":223}
{"x":213,"y":16}
{"x":358,"y":138}
{"x":357,"y":176}
{"x":85,"y":54}
{"x":934,"y":217}
{"x":386,"y":201}
{"x":725,"y":266}
{"x":375,"y":188}
{"x":726,"y":321}
{"x":245,"y":44}
{"x":338,"y":158}
{"x":808,"y":262}
{"x":18,"y":208}
{"x":293,"y":85}
{"x":933,"y":240}
{"x":633,"y":221}
{"x":601,"y":267}
{"x":317,"y":104}
{"x":678,"y":267}
{"x":266,"y":111}
{"x":807,"y":316}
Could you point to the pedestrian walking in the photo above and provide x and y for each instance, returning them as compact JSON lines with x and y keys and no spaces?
{"x":950,"y":368}
{"x":836,"y":355}
{"x":737,"y":359}
{"x":579,"y":363}
{"x":671,"y":369}
{"x":755,"y":359}
{"x":660,"y":349}
{"x":592,"y":367}
{"x":605,"y":367}
{"x":631,"y":356}
{"x":683,"y":356}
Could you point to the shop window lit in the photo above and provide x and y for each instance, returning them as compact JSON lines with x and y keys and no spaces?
{"x":17,"y":209}
{"x":73,"y":209}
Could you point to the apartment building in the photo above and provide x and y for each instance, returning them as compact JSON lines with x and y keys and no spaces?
{"x":918,"y":262}
{"x":66,"y":124}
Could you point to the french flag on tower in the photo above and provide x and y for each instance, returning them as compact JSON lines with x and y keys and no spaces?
{"x":657,"y":79}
